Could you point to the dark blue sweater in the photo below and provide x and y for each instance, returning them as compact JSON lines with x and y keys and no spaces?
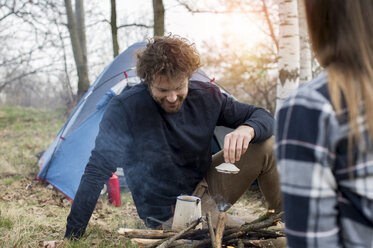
{"x":163,"y":155}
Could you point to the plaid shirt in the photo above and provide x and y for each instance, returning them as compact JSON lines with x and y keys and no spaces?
{"x":326,"y":202}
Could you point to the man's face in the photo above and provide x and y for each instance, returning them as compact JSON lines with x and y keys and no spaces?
{"x":169,"y":94}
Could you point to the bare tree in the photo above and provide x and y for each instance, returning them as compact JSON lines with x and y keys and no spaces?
{"x":114,"y":28}
{"x":76,"y":27}
{"x":15,"y":62}
{"x":158,"y":10}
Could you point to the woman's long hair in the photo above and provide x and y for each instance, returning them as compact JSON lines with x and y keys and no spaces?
{"x":341,"y":34}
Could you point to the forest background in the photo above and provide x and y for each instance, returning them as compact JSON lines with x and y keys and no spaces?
{"x":52,"y":50}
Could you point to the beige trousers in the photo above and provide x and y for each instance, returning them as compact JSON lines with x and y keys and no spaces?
{"x":223,"y":190}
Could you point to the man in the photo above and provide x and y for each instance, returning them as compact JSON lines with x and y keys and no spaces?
{"x":160,"y":131}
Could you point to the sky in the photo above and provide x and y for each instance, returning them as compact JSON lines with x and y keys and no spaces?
{"x":201,"y":27}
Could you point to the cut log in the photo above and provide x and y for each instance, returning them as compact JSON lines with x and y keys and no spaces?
{"x":144,"y":242}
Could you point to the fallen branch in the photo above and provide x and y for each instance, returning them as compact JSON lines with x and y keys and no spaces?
{"x":146,"y":242}
{"x":145,"y":233}
{"x":265,"y":233}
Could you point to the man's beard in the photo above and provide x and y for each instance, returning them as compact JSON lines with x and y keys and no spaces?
{"x":169,"y":108}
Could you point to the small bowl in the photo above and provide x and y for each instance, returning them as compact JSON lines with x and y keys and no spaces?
{"x":227,"y":168}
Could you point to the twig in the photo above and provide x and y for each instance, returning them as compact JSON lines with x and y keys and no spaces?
{"x":263,"y":233}
{"x":211,"y":229}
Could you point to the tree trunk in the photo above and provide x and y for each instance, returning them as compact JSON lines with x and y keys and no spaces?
{"x":288,"y":62}
{"x":158,"y":10}
{"x":305,"y":73}
{"x":78,"y":43}
{"x":114,"y":28}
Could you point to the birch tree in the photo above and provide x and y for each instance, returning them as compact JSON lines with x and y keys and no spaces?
{"x":76,"y":26}
{"x":305,"y":73}
{"x":288,"y":54}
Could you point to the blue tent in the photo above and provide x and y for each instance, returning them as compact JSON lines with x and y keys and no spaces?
{"x":63,"y":163}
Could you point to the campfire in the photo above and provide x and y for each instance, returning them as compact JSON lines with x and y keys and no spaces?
{"x":253,"y":234}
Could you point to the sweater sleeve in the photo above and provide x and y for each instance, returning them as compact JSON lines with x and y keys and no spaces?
{"x":234,"y":114}
{"x":304,"y":153}
{"x":108,"y":154}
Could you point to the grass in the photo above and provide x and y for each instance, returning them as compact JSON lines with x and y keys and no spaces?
{"x":24,"y":133}
{"x":31,"y":212}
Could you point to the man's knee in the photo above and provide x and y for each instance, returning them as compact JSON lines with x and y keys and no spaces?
{"x":260,"y":151}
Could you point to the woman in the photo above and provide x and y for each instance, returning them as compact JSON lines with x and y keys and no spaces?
{"x":325,"y":130}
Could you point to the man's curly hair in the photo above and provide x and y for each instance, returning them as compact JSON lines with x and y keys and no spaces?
{"x":171,"y":56}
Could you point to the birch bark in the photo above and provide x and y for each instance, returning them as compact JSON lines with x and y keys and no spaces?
{"x":288,"y":59}
{"x":305,"y":73}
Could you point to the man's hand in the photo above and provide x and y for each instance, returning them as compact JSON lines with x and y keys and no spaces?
{"x":237,"y":142}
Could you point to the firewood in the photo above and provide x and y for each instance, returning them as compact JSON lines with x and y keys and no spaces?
{"x":239,"y":231}
{"x":275,"y":243}
{"x":145,"y":242}
{"x":211,"y":229}
{"x":265,"y":233}
{"x":145,"y":233}
{"x":168,"y":241}
{"x":220,"y":228}
{"x":200,"y":238}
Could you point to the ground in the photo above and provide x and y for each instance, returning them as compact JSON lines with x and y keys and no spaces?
{"x":32,"y":212}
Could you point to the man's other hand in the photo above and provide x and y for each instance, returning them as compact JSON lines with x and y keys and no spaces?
{"x":237,"y":142}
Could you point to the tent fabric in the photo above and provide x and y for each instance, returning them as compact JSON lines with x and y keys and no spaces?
{"x":63,"y":163}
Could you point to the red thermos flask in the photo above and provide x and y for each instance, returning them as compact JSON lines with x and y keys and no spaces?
{"x":114,"y":190}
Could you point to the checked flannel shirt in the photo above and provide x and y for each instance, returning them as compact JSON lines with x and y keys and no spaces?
{"x":326,"y":202}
